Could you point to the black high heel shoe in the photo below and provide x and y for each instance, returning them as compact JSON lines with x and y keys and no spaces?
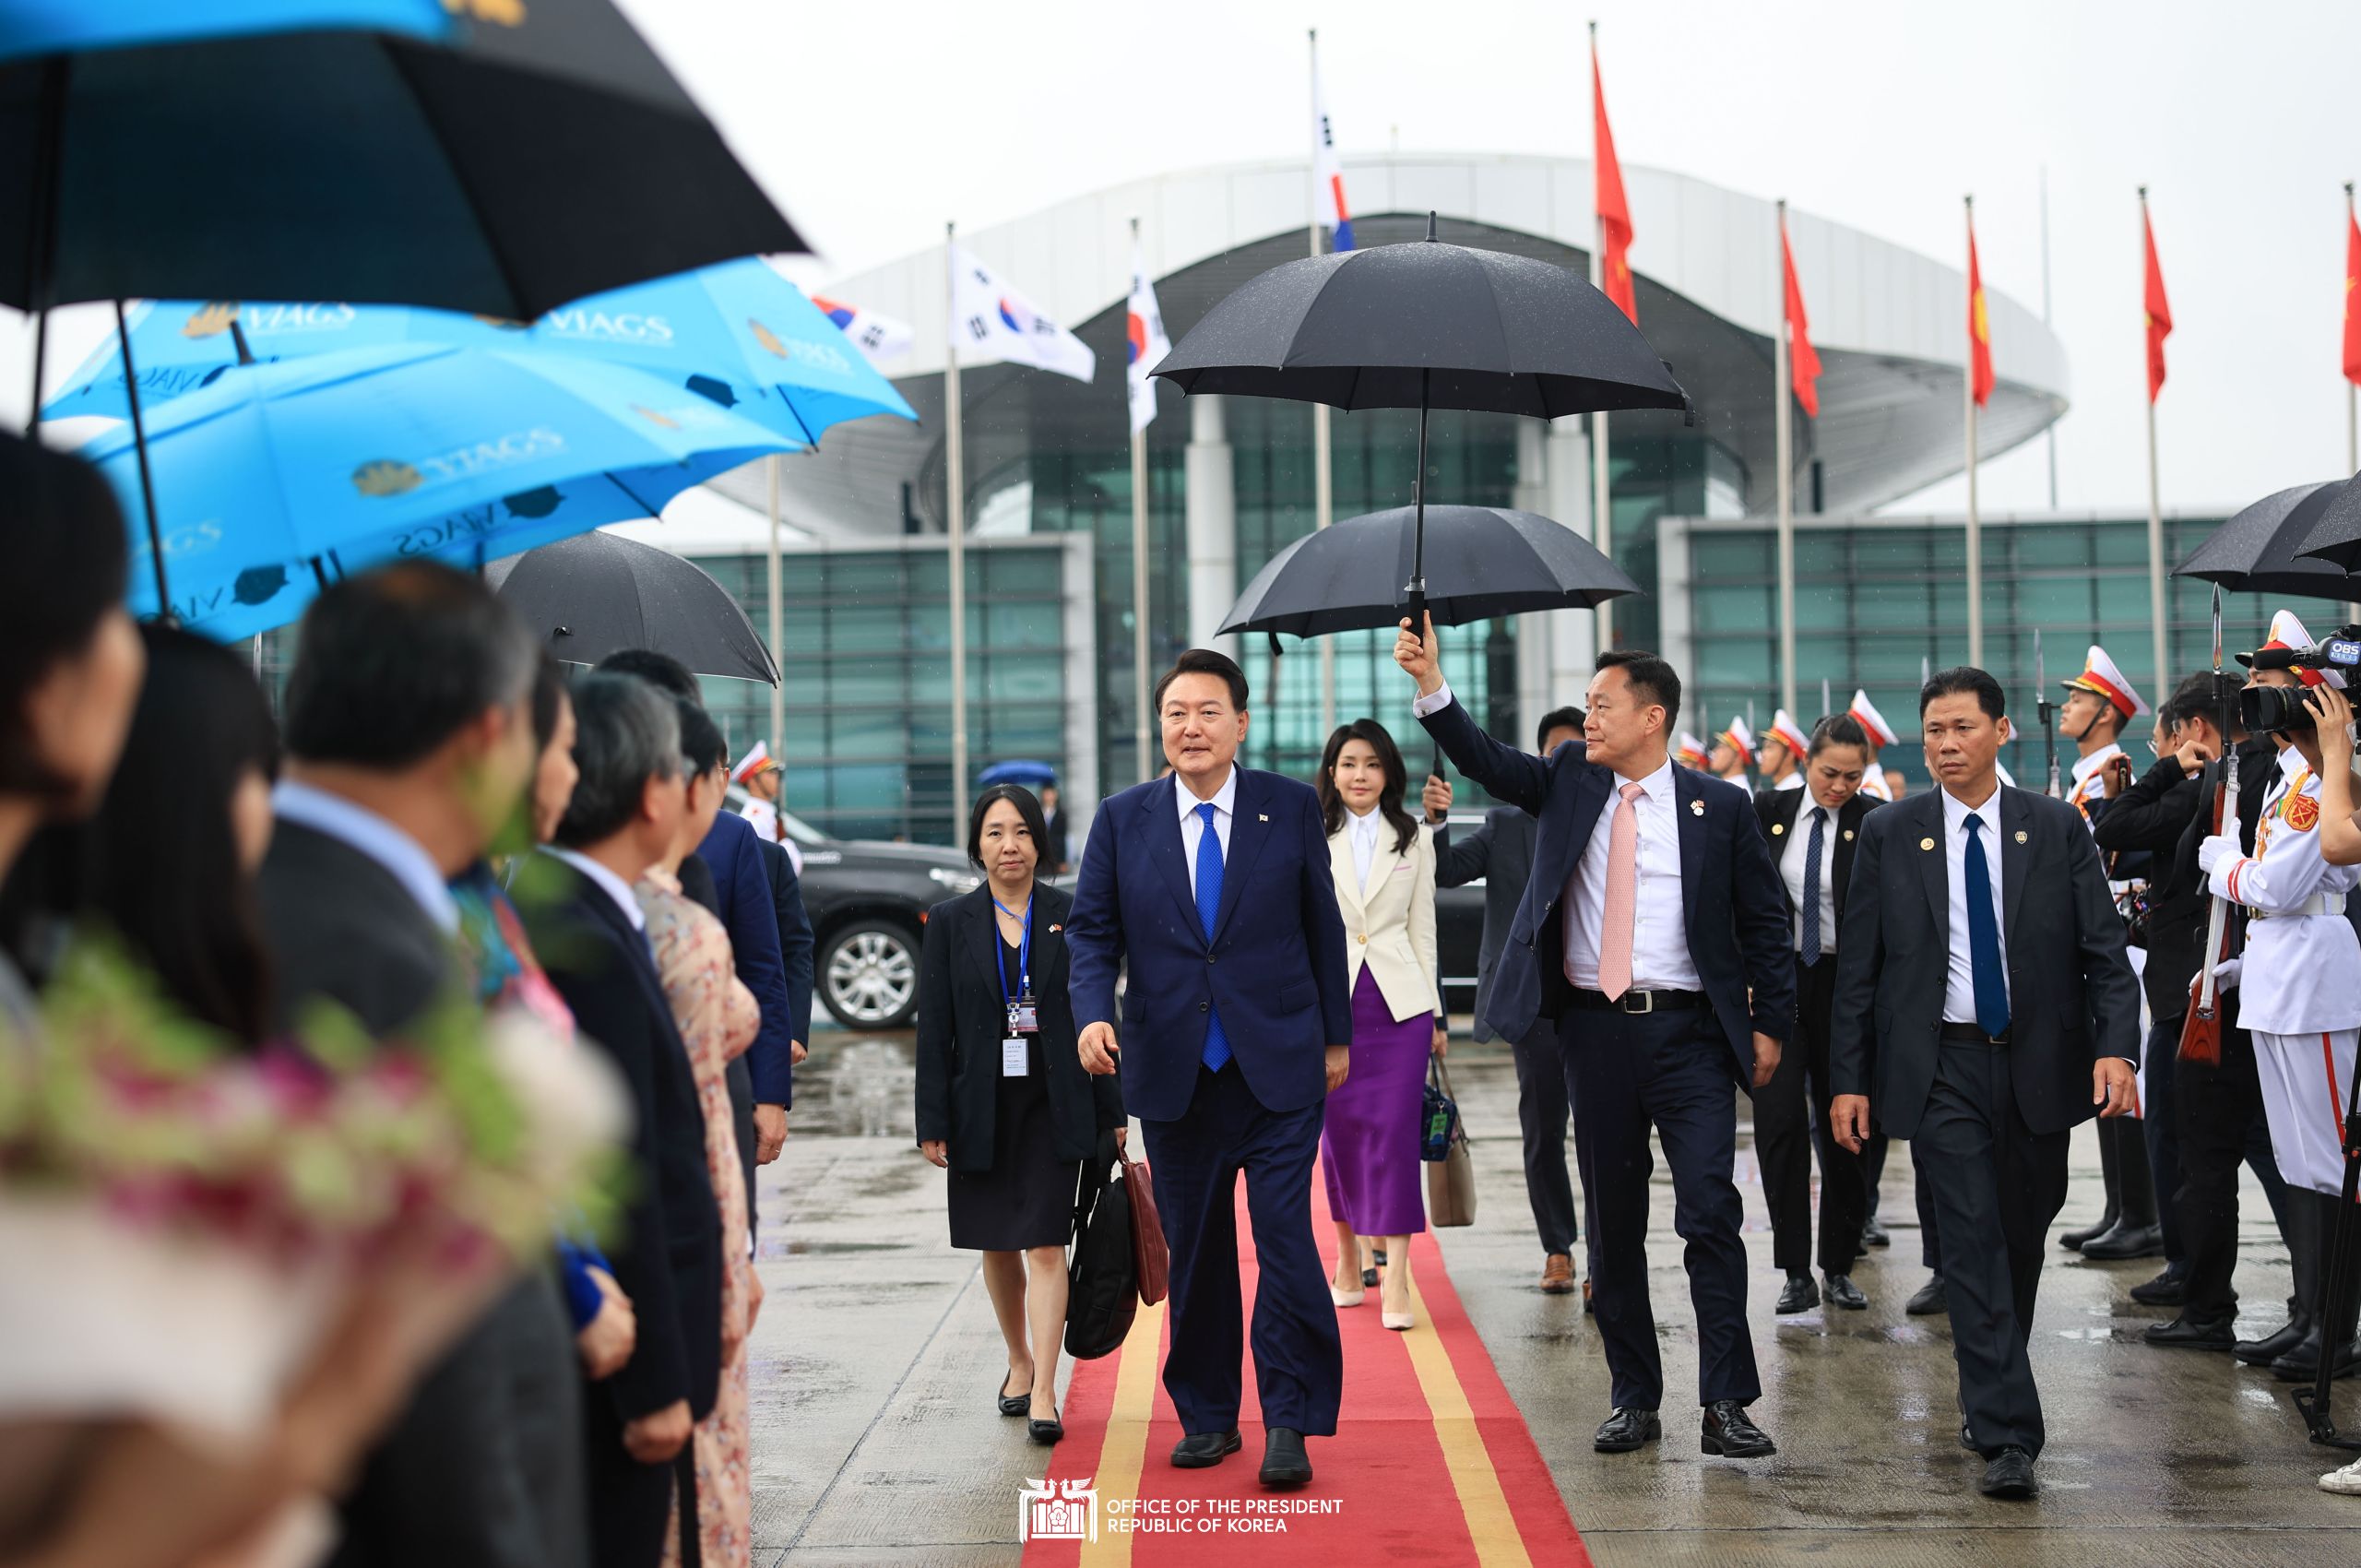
{"x":1012,"y":1404}
{"x":1044,"y":1433}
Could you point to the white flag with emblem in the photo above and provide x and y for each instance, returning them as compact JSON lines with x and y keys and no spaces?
{"x":1144,"y":342}
{"x":991,"y":321}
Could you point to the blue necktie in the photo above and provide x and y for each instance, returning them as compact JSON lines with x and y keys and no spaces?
{"x":1810,"y":911}
{"x":1217,"y":1051}
{"x":1983,"y":937}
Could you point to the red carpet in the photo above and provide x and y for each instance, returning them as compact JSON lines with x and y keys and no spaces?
{"x":1431,"y":1462}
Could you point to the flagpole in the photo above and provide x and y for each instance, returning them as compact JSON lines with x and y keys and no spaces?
{"x":1323,"y":483}
{"x":1782,"y":422}
{"x":1141,"y":725}
{"x":1975,"y":529}
{"x":955,"y":511}
{"x":2159,"y":633}
{"x":778,"y":654}
{"x":1602,"y":525}
{"x":2352,"y":416}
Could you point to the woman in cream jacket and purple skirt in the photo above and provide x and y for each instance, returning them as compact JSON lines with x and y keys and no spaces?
{"x":1384,"y":870}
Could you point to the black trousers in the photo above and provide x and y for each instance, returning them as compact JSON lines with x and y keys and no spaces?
{"x":1790,"y":1122}
{"x":740,"y":1079}
{"x":1873,"y":1155}
{"x":1994,"y":1184}
{"x":1542,"y":1111}
{"x":2218,"y":1111}
{"x":1624,"y":1073}
{"x":2161,"y":1130}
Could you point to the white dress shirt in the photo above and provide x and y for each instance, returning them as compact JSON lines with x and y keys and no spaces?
{"x":1192,"y":826}
{"x":1660,"y":959}
{"x":1791,"y":867}
{"x":1959,"y":992}
{"x":1361,"y":828}
{"x":614,"y":886}
{"x":359,"y":828}
{"x":1792,"y":781}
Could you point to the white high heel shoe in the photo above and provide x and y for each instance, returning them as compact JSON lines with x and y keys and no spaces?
{"x":1346,"y":1298}
{"x":1398,"y":1319}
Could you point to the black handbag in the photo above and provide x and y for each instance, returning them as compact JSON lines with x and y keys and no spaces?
{"x":1102,"y":1280}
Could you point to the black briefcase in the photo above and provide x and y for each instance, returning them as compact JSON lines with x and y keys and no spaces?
{"x":1102,"y":1280}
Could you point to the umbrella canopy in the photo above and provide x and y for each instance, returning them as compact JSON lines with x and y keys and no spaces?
{"x":68,"y":27}
{"x":544,"y":153}
{"x":1481,"y":562}
{"x":598,"y":594}
{"x":281,"y":475}
{"x":1018,"y":770}
{"x":1425,"y":324}
{"x":2336,"y":532}
{"x":2258,"y":551}
{"x":739,"y":333}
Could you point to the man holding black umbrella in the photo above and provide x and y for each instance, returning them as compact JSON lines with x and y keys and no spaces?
{"x":1653,"y":932}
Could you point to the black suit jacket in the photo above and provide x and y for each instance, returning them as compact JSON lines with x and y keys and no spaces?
{"x":962,"y":1017}
{"x":795,"y":942}
{"x":2071,"y":997}
{"x":1778,"y":811}
{"x":483,"y":1470}
{"x":1501,"y":851}
{"x":1737,"y":922}
{"x":668,"y":1259}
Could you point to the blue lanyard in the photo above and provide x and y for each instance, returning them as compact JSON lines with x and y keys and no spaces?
{"x":1023,"y":950}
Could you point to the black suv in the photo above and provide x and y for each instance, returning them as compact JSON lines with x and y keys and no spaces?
{"x":868,"y":901}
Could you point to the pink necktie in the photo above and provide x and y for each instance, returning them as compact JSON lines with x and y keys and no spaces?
{"x":1622,"y":895}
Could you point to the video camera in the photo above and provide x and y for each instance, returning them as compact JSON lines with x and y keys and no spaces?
{"x":2276,"y":710}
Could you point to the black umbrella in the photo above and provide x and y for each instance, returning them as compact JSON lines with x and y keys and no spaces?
{"x":599,"y":593}
{"x":1495,"y":562}
{"x":536,"y":158}
{"x":2258,"y":550}
{"x":1425,"y":325}
{"x":2336,"y":532}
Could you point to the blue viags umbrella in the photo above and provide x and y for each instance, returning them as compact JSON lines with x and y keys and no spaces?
{"x":279,"y":477}
{"x":737,"y":333}
{"x":68,"y":27}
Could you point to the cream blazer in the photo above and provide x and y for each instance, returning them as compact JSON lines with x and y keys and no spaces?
{"x":1390,"y":926}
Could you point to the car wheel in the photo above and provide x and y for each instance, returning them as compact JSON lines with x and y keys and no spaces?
{"x":868,"y":976}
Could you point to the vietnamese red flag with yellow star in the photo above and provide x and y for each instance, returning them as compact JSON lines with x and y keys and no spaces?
{"x":1614,"y":213}
{"x":1803,"y":361}
{"x":1979,"y":326}
{"x":2160,"y":315}
{"x":2352,"y":295}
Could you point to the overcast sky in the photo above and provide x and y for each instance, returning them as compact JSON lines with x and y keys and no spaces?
{"x":872,"y":124}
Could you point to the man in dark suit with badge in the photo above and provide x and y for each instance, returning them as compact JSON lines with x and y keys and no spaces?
{"x":1984,"y":1007}
{"x":1652,"y":931}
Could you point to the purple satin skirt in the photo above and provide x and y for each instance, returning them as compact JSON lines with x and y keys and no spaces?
{"x":1369,"y":1146}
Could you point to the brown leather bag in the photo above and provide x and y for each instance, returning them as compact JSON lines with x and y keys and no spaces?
{"x":1154,"y":1264}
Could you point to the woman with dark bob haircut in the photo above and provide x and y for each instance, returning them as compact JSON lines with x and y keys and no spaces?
{"x":1002,"y":1101}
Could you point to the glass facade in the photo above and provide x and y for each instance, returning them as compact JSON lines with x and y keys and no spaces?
{"x":1877,"y":601}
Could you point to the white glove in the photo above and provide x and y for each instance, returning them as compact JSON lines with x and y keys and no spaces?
{"x":2226,"y":972}
{"x":2214,"y":851}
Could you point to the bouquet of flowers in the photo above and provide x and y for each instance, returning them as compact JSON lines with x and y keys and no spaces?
{"x":179,"y":1216}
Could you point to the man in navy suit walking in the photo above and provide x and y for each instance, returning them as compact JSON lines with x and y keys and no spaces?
{"x":1653,"y":930}
{"x":1214,"y":884}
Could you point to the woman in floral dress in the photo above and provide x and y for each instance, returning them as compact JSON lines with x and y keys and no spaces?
{"x":717,"y":1016}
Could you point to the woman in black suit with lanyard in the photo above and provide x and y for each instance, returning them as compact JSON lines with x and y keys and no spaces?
{"x":1002,"y":1101}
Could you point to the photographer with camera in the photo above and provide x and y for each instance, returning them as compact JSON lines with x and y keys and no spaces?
{"x":2299,"y":973}
{"x":2340,"y":824}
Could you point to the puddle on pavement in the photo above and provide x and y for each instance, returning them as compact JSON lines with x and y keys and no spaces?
{"x":858,"y":1085}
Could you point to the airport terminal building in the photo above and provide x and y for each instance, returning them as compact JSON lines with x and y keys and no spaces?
{"x":1048,"y":504}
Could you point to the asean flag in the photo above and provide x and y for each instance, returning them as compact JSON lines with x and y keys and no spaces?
{"x":1979,"y":327}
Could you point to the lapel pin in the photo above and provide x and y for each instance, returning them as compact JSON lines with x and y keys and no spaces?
{"x":2021,"y":835}
{"x":1925,"y":843}
{"x":1777,"y":828}
{"x":1057,"y":928}
{"x":1696,"y":808}
{"x":1849,"y":836}
{"x":1260,"y":817}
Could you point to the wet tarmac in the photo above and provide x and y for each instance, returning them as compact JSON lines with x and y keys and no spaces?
{"x":875,"y":1441}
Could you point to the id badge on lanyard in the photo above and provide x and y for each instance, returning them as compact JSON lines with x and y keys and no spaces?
{"x":1023,"y":1013}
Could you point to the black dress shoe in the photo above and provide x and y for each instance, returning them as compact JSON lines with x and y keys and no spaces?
{"x":2009,"y":1474}
{"x":1967,"y":1438}
{"x":1369,"y":1280}
{"x":1626,"y":1429}
{"x":2127,"y":1241}
{"x":2182,"y":1334}
{"x":2073,"y":1240}
{"x":1728,"y":1433}
{"x":1285,"y":1465}
{"x":2169,"y":1288}
{"x":2302,"y":1364}
{"x":2270,"y":1347}
{"x":1012,"y":1404}
{"x":1842,"y":1293}
{"x":1199,"y":1450}
{"x":1799,"y":1295}
{"x":1045,"y":1432}
{"x":1873,"y":1233}
{"x":1931,"y":1301}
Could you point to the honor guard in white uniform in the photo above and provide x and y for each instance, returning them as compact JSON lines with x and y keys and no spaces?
{"x":1785,"y":746}
{"x":1865,"y":713}
{"x":1690,"y":752}
{"x":2101,"y":703}
{"x":1733,"y":752}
